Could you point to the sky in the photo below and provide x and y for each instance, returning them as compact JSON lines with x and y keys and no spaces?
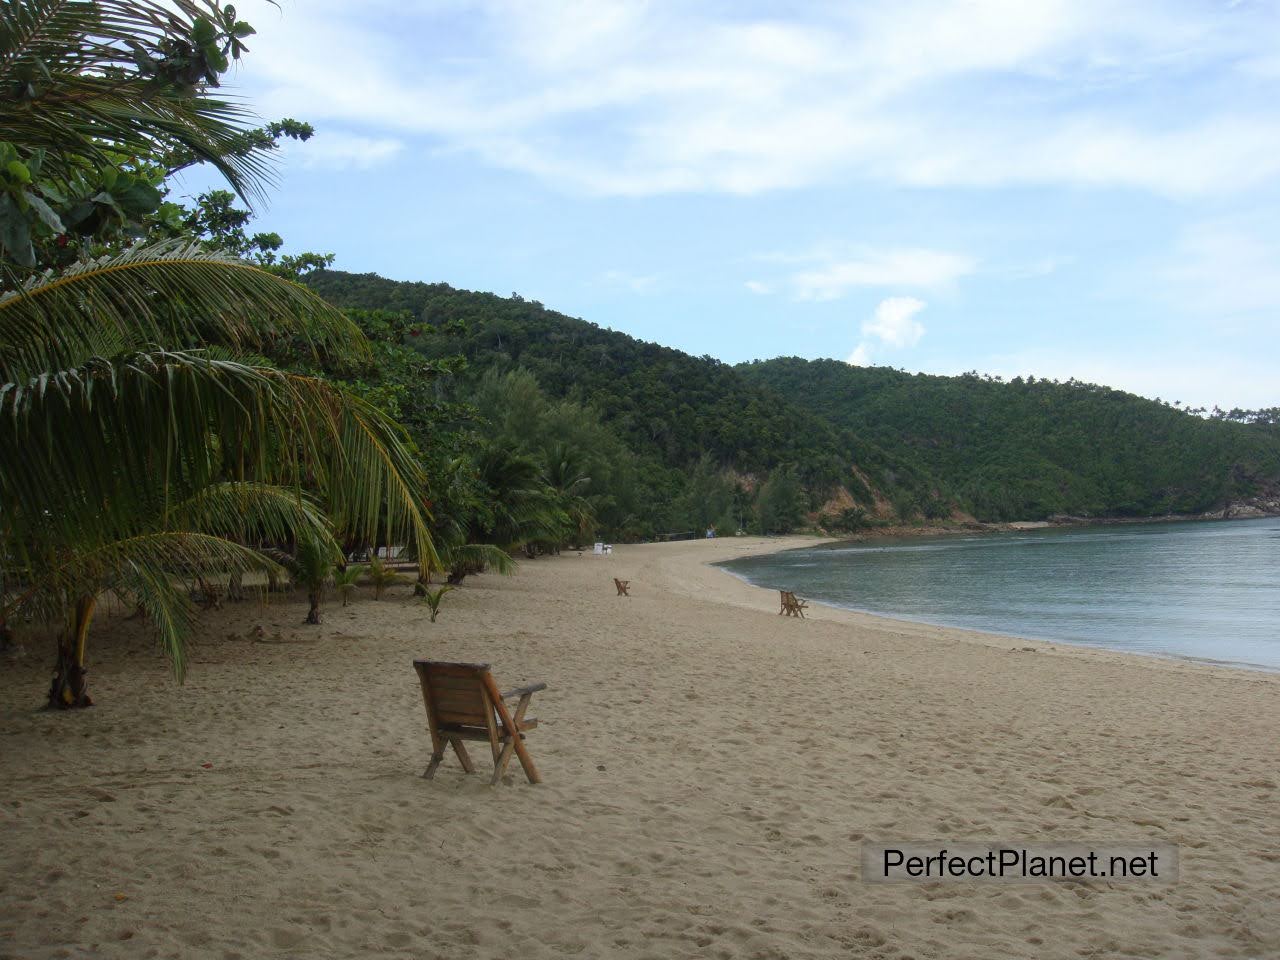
{"x":1062,"y":188}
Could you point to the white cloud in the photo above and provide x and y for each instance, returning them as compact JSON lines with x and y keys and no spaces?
{"x":861,"y":356}
{"x":336,"y":150}
{"x":888,"y":268}
{"x":634,"y":97}
{"x":893,"y":324}
{"x":758,"y":287}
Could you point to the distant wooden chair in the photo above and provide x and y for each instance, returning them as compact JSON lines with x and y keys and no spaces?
{"x":792,"y":606}
{"x":623,"y":586}
{"x":463,"y":703}
{"x":207,"y":594}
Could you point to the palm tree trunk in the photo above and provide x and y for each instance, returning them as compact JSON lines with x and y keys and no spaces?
{"x":313,"y":615}
{"x":70,"y":688}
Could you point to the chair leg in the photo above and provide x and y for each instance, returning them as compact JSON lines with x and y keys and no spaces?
{"x":435,"y":762}
{"x":501,"y":761}
{"x":463,"y":757}
{"x":526,"y":761}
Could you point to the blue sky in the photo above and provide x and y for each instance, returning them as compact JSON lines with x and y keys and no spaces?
{"x":1071,"y":188}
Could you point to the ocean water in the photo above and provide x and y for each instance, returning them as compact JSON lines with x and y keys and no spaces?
{"x":1208,"y":590}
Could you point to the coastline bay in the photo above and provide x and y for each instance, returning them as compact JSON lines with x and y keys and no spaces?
{"x":1205,"y":590}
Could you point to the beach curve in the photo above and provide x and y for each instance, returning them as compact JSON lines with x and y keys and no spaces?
{"x":711,"y":772}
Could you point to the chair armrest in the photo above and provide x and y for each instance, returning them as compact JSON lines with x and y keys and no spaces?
{"x":524,"y":691}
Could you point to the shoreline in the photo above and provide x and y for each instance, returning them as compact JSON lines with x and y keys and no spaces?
{"x":803,"y":541}
{"x":1012,"y":526}
{"x":710,"y":773}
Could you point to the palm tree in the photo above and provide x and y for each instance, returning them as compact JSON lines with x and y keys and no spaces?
{"x":432,"y":599}
{"x":564,"y":469}
{"x":87,"y":81}
{"x":311,"y":565}
{"x":461,"y":501}
{"x":142,"y":443}
{"x":111,"y":449}
{"x":346,"y":579}
{"x":381,"y":575}
{"x":522,"y":510}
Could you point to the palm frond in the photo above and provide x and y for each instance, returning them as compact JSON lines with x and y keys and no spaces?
{"x":88,"y":37}
{"x":85,"y":452}
{"x":152,"y":568}
{"x":312,"y":562}
{"x":479,"y":556}
{"x":347,"y":578}
{"x":251,"y":511}
{"x":71,"y":71}
{"x":171,"y":292}
{"x":381,"y":575}
{"x":373,"y":484}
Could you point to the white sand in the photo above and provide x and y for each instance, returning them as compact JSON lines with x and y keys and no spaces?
{"x":710,"y":770}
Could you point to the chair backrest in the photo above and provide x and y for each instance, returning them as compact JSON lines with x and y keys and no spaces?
{"x":458,"y":695}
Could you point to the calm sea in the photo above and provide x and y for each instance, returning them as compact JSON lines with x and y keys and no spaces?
{"x":1209,"y":590}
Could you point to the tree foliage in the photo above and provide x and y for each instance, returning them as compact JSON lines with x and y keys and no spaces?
{"x":927,"y":447}
{"x":1028,"y":448}
{"x":145,"y":439}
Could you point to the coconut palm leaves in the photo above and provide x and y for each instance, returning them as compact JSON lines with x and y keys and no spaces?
{"x":171,"y":293}
{"x":381,"y":575}
{"x":150,"y":569}
{"x":141,"y":445}
{"x":345,"y":581}
{"x":311,"y":565}
{"x":432,"y":599}
{"x":140,"y":442}
{"x":84,"y":436}
{"x":83,"y":80}
{"x":521,"y":509}
{"x":565,"y":472}
{"x":474,"y":558}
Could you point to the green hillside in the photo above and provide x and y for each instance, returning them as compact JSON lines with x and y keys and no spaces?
{"x":666,"y":404}
{"x":1031,"y":448}
{"x":904,"y":446}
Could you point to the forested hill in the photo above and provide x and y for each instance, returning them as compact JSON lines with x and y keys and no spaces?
{"x":1032,"y":448}
{"x":663,"y":402}
{"x":929,"y":446}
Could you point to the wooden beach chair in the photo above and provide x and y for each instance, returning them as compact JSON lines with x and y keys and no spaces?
{"x":463,"y":703}
{"x":623,"y":586}
{"x":792,"y":605}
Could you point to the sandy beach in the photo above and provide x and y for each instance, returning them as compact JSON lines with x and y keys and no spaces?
{"x":710,"y":769}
